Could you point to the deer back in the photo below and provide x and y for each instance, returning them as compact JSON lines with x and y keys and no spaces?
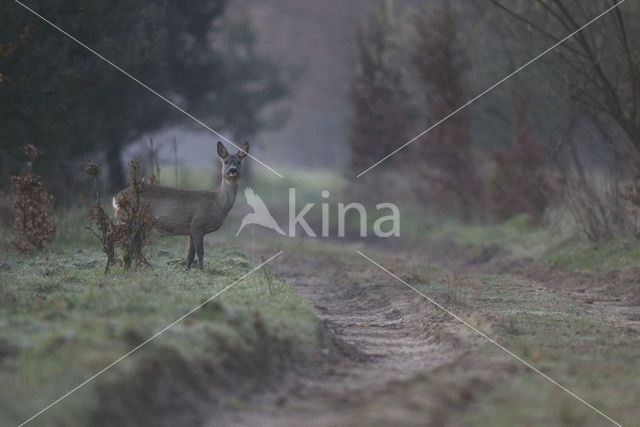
{"x":176,"y":211}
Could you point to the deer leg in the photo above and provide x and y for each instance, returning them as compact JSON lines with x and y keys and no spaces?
{"x":191,"y":254}
{"x":199,"y":243}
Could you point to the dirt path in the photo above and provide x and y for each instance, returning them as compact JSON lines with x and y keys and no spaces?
{"x":395,"y":359}
{"x":389,"y":337}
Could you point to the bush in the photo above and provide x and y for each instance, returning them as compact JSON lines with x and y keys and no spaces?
{"x":104,"y":222}
{"x":601,"y":200}
{"x":34,"y":223}
{"x":382,"y":116}
{"x":131,"y":234}
{"x":519,"y":183}
{"x":450,"y":176}
{"x":631,"y":193}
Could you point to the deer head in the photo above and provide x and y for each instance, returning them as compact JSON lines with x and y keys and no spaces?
{"x":232,"y":163}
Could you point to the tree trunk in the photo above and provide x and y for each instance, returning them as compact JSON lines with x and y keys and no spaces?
{"x":116,"y":172}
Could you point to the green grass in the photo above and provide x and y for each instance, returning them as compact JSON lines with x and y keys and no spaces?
{"x":309,"y":182}
{"x":62,"y":319}
{"x":567,"y":250}
{"x":579,"y":255}
{"x":515,"y":234}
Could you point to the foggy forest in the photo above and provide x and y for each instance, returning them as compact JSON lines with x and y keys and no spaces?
{"x":319,"y":213}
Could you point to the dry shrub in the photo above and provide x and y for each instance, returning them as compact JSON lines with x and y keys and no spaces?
{"x":448,"y":164}
{"x":631,"y":193}
{"x":102,"y":220}
{"x":596,"y":205}
{"x":519,"y":183}
{"x":132,"y":233}
{"x":104,"y":234}
{"x":34,"y":223}
{"x":588,"y":207}
{"x":602,"y":201}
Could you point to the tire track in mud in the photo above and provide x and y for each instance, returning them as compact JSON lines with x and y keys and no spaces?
{"x":405,"y":362}
{"x":398,"y":333}
{"x":388,"y":336}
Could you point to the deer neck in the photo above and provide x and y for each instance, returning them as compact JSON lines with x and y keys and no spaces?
{"x":226,"y":194}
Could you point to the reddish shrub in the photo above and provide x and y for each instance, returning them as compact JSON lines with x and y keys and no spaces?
{"x":519,"y":183}
{"x":449,"y":165}
{"x":102,"y":220}
{"x":34,"y":223}
{"x":382,"y":116}
{"x":631,"y":193}
{"x":132,"y":233}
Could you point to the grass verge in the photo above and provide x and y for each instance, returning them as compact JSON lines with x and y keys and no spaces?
{"x":62,"y":320}
{"x":567,"y":251}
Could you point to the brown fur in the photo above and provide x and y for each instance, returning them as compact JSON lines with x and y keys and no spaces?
{"x":193,"y":213}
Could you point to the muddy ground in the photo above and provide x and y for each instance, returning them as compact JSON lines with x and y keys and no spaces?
{"x":396,"y":358}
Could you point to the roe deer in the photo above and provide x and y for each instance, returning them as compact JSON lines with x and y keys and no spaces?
{"x":193,"y":213}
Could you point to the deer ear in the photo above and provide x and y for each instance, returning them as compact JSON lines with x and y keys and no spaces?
{"x":222,"y":152}
{"x":244,"y":150}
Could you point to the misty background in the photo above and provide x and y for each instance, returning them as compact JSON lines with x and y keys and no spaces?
{"x":314,"y":41}
{"x":334,"y":87}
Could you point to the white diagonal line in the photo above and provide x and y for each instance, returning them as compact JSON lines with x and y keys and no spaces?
{"x":498,"y":83}
{"x":133,"y":350}
{"x":490,"y":340}
{"x":159,"y":95}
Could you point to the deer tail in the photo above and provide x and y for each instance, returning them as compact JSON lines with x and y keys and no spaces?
{"x":115,"y":205}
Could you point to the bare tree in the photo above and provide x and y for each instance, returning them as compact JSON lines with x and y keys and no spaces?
{"x":600,"y":64}
{"x":519,"y":183}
